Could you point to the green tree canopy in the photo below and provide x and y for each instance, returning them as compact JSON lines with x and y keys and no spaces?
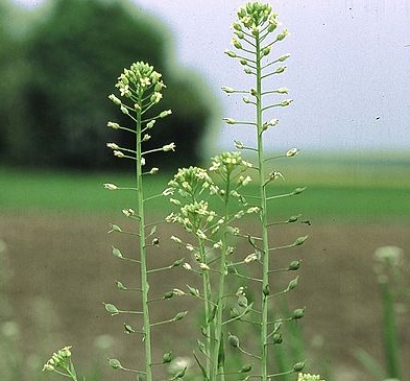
{"x":72,"y":59}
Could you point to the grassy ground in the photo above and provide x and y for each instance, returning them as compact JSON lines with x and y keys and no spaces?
{"x":366,"y":189}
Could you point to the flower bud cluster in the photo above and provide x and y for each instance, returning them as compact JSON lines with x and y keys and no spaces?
{"x":61,"y":359}
{"x":308,"y":377}
{"x":225,"y":163}
{"x":253,"y":15}
{"x":136,"y":80}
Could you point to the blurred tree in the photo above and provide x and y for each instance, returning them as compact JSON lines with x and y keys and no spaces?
{"x":73,"y":58}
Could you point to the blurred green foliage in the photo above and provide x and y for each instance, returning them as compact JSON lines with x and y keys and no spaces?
{"x":56,"y":77}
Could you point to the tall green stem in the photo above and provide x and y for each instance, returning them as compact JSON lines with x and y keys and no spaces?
{"x":221,"y":289}
{"x":263,"y":213}
{"x":143,"y":248}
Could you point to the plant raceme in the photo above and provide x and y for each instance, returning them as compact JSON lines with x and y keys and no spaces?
{"x":242,"y":321}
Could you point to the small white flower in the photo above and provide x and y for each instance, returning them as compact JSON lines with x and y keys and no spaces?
{"x":169,"y":147}
{"x":113,"y":146}
{"x":176,"y":239}
{"x":204,"y":266}
{"x":118,"y":154}
{"x":110,"y":186}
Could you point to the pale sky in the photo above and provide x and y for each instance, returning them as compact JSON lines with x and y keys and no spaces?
{"x":349,"y":71}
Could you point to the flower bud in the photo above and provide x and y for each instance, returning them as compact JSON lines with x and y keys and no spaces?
{"x":230,"y":53}
{"x":228,"y":90}
{"x":282,"y":35}
{"x":112,"y":146}
{"x":119,"y":154}
{"x":113,"y":125}
{"x":165,"y":113}
{"x":236,"y":44}
{"x":150,"y":124}
{"x":292,"y":152}
{"x":283,"y":57}
{"x":286,"y":102}
{"x":229,"y":120}
{"x":124,"y":110}
{"x":116,"y":100}
{"x":280,"y":70}
{"x":266,"y":51}
{"x":282,"y":90}
{"x":169,"y":147}
{"x":156,"y":97}
{"x":110,"y":186}
{"x":237,"y":26}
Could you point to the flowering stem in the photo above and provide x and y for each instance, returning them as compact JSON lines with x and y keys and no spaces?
{"x":142,"y":245}
{"x":263,"y":213}
{"x":218,"y":366}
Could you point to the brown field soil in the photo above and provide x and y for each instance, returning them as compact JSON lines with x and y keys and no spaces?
{"x":62,"y":270}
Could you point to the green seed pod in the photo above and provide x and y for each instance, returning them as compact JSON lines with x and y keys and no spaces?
{"x":167,"y":357}
{"x":300,"y":240}
{"x":180,"y":315}
{"x":299,"y":190}
{"x":292,"y":284}
{"x":246,"y":368}
{"x":128,"y":329}
{"x":233,"y":341}
{"x":234,"y":312}
{"x":298,"y":366}
{"x":111,"y":309}
{"x":242,"y":301}
{"x":120,"y":286}
{"x":115,"y":364}
{"x":178,"y":262}
{"x":169,"y":294}
{"x":277,"y":338}
{"x":298,"y":313}
{"x":116,"y":252}
{"x":294,"y":265}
